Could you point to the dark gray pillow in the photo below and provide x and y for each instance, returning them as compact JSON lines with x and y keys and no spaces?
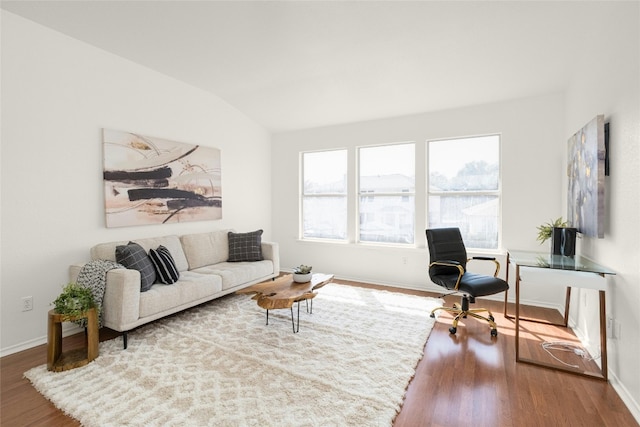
{"x":134,"y":257}
{"x":245,"y":246}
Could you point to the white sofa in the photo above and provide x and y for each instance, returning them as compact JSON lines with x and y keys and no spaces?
{"x":205,"y":274}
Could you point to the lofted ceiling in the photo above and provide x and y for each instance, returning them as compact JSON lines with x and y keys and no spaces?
{"x":300,"y":64}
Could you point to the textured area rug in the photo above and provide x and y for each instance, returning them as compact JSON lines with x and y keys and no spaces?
{"x":220,"y":365}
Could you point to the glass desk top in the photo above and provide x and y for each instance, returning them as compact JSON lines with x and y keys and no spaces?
{"x":557,"y":262}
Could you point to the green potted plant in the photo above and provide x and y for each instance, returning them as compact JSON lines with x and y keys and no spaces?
{"x":302,"y":273}
{"x":563,"y":237}
{"x":546,"y":230}
{"x":74,"y":301}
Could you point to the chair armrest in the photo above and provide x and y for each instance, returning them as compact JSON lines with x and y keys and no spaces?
{"x":488,"y":258}
{"x":454,"y":266}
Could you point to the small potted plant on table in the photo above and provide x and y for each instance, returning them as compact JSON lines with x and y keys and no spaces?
{"x":302,"y":273}
{"x":74,"y":301}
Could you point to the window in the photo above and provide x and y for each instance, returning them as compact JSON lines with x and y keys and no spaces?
{"x":324,"y":195}
{"x":387,"y":193}
{"x":464,"y":188}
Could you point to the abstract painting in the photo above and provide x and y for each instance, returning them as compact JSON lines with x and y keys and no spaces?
{"x":586,"y":171}
{"x":155,"y":181}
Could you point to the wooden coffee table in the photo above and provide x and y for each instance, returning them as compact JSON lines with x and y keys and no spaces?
{"x":283,"y":292}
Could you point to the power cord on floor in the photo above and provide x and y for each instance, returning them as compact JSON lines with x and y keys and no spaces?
{"x":567,"y":346}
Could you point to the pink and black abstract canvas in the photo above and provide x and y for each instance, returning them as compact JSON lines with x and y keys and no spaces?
{"x":155,"y":181}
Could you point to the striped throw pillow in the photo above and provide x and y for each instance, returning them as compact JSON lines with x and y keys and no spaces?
{"x":164,"y":264}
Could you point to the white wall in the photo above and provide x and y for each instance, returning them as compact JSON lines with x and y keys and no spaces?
{"x":610,"y":85}
{"x":533,"y":144}
{"x":57,"y":95}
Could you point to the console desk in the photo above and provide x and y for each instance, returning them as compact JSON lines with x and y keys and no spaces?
{"x":577,"y":271}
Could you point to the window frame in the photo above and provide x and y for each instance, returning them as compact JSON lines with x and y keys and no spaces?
{"x":465,"y":193}
{"x":359,"y":194}
{"x":303,"y":196}
{"x":422,"y":194}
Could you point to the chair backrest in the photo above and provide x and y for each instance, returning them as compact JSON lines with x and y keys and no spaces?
{"x":446,"y":244}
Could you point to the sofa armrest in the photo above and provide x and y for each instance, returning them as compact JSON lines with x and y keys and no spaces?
{"x":121,"y":303}
{"x":74,"y":270}
{"x":271,"y":250}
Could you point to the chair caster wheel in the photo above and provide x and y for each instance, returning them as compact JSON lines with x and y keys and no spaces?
{"x":452,"y":330}
{"x":432,"y":315}
{"x":492,"y":318}
{"x":494,"y":332}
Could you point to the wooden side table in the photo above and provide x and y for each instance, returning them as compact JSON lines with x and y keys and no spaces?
{"x":57,"y":360}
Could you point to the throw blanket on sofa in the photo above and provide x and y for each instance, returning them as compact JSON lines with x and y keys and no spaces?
{"x":93,"y":275}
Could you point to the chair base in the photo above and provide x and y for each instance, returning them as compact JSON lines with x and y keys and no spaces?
{"x":462,"y":311}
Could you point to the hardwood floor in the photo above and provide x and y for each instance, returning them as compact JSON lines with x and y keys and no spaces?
{"x":463,"y":379}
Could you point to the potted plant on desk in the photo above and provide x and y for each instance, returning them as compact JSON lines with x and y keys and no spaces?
{"x":563,"y":237}
{"x":302,"y":273}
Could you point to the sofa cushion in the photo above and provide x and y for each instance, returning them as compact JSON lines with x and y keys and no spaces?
{"x":190,"y":288}
{"x":205,"y":248}
{"x":172,"y":242}
{"x":134,"y":257}
{"x":238,"y":273}
{"x":166,"y":271}
{"x":245,"y":246}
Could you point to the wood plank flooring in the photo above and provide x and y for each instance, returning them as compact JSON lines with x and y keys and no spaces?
{"x":463,"y":379}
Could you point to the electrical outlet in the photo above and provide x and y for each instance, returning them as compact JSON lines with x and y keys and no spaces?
{"x":27,"y":303}
{"x":617,"y":329}
{"x":613,"y":328}
{"x":610,"y":327}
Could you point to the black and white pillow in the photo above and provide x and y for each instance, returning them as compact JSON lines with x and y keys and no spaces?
{"x":134,"y":257}
{"x":164,"y":264}
{"x":245,"y":246}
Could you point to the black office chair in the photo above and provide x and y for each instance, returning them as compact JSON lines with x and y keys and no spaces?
{"x":448,"y":268}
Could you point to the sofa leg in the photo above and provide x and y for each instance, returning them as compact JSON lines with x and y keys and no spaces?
{"x":124,"y":339}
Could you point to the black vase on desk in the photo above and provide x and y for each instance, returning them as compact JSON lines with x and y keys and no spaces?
{"x":563,"y":241}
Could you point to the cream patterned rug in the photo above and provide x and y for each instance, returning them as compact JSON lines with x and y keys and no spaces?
{"x":220,"y":365}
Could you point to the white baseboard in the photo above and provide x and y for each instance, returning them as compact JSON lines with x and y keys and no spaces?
{"x":428,"y":287}
{"x":632,"y":404}
{"x":71,"y":329}
{"x":627,"y":398}
{"x":26,"y":345}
